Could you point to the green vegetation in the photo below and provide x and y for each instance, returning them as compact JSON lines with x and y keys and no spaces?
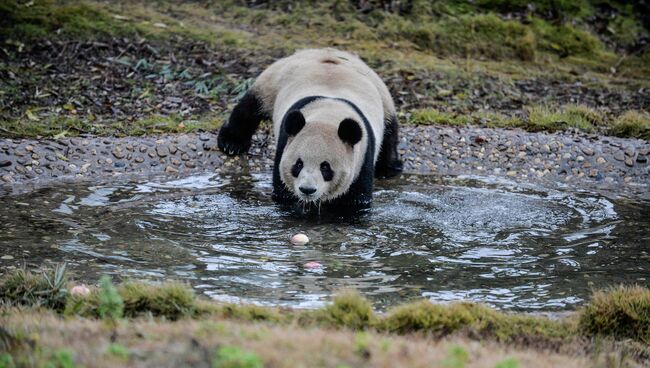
{"x":109,"y":302}
{"x":234,"y":357}
{"x":457,"y":358}
{"x":631,"y":124}
{"x":46,"y":289}
{"x":63,"y":126}
{"x":510,"y":39}
{"x":118,"y":351}
{"x":171,"y":300}
{"x":623,"y":313}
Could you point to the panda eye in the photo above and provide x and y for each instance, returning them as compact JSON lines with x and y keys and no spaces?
{"x":296,"y":168}
{"x":326,"y":170}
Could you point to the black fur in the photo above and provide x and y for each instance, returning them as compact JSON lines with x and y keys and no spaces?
{"x":359,"y":195}
{"x":294,"y":123}
{"x":235,"y":136}
{"x":350,"y":132}
{"x":388,"y":162}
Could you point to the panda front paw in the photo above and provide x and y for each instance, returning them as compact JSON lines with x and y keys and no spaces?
{"x":390,"y":170}
{"x":231,"y":143}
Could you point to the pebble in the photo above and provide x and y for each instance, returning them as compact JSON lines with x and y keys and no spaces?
{"x":80,"y":290}
{"x":313,"y":265}
{"x":299,"y":239}
{"x":170,"y":169}
{"x":5,"y":163}
{"x":7,"y":257}
{"x":162,"y":151}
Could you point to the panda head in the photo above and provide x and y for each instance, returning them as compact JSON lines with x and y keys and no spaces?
{"x":317,"y":163}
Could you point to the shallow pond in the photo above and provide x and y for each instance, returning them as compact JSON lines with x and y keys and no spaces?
{"x":497,"y":242}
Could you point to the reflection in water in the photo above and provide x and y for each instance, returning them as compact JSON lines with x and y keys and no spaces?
{"x":454,"y":239}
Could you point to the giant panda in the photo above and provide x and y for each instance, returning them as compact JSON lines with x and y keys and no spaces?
{"x":334,"y":123}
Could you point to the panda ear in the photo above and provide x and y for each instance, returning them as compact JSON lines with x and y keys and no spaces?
{"x":350,"y":132}
{"x":294,"y":122}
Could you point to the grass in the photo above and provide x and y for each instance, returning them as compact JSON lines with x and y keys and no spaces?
{"x":631,"y":124}
{"x":72,"y":126}
{"x":623,"y":313}
{"x":551,"y":39}
{"x":620,"y":317}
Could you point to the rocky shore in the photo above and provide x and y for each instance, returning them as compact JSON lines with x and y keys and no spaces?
{"x":567,"y":159}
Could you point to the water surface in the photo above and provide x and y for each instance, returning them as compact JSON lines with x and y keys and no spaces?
{"x":497,"y":242}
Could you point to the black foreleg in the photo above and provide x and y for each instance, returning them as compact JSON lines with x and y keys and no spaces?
{"x":388,"y":163}
{"x":235,"y":135}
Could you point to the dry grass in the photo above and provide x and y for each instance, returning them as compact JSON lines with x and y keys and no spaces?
{"x":144,"y":342}
{"x":616,"y":322}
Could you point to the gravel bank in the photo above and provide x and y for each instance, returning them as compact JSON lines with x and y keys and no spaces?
{"x":578,"y":160}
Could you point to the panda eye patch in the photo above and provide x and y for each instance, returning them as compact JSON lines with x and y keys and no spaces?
{"x":296,"y":168}
{"x":326,"y":171}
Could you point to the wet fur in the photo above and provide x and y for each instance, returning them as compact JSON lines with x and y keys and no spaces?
{"x":326,"y":86}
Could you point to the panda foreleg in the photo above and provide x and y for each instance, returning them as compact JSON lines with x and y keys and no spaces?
{"x":388,"y":163}
{"x":235,"y":135}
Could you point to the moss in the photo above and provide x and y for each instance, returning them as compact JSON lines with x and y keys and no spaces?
{"x":38,"y":19}
{"x":483,"y":35}
{"x":442,"y":320}
{"x":72,"y":126}
{"x":250,"y":313}
{"x":47,"y":288}
{"x":568,"y":116}
{"x":565,"y":39}
{"x":347,"y":310}
{"x":434,"y":116}
{"x":620,"y":312}
{"x":170,"y":300}
{"x":632,"y":124}
{"x":110,"y":304}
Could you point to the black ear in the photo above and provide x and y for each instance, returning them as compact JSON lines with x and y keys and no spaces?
{"x":350,"y":132}
{"x":294,"y":122}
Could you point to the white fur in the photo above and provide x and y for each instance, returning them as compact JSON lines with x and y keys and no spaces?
{"x":330,"y":73}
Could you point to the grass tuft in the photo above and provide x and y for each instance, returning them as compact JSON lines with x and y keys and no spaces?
{"x":47,"y":289}
{"x":444,"y":319}
{"x":171,"y":300}
{"x":632,"y":124}
{"x":348,"y":310}
{"x":621,"y":312}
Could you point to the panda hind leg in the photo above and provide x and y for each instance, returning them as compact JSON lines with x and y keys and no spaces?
{"x":388,"y":163}
{"x":236,"y":134}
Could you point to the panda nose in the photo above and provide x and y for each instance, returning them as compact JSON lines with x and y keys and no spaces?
{"x":308,"y":190}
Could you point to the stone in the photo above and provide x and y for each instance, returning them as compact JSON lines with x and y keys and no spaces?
{"x":601,"y":161}
{"x":593,"y":173}
{"x":7,"y":178}
{"x":139,"y":159}
{"x":192,"y":146}
{"x":162,"y":151}
{"x":642,"y":159}
{"x":176,"y":162}
{"x":629,"y":162}
{"x":618,"y":155}
{"x":29,"y":148}
{"x":118,"y":153}
{"x":587,"y":151}
{"x":190,"y":164}
{"x":630,"y":151}
{"x":185,"y":157}
{"x":172,"y":149}
{"x":5,"y":163}
{"x":7,"y":257}
{"x":580,"y":158}
{"x":170,"y":169}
